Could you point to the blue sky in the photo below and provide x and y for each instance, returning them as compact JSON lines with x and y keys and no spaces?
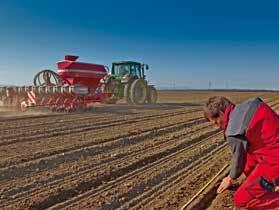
{"x":233,"y":44}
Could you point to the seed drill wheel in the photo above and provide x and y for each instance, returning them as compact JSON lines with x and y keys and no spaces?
{"x":152,"y":95}
{"x":138,"y":91}
{"x":48,"y":78}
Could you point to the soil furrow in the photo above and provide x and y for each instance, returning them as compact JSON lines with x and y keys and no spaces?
{"x":160,"y":152}
{"x":142,"y":157}
{"x":117,"y":155}
{"x":73,"y":155}
{"x":155,"y":172}
{"x":172,"y":181}
{"x":33,"y":134}
{"x":104,"y":176}
{"x":87,"y":139}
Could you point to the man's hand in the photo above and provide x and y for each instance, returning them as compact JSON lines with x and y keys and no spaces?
{"x":227,"y":182}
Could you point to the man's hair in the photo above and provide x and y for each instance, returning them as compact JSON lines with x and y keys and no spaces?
{"x":214,"y":106}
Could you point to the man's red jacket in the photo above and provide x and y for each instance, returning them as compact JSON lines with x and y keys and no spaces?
{"x":252,"y":131}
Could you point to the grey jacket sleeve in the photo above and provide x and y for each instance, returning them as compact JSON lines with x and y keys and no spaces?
{"x":238,"y":146}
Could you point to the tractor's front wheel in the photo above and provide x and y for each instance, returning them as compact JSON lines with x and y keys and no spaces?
{"x":138,"y":91}
{"x":152,"y":95}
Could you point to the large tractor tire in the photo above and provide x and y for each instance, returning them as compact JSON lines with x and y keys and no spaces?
{"x":138,"y":91}
{"x":127,"y":89}
{"x":152,"y":95}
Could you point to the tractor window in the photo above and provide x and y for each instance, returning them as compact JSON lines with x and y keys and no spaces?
{"x":135,"y":71}
{"x":121,"y":69}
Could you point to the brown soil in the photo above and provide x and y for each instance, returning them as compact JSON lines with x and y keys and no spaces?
{"x":117,"y":156}
{"x":224,"y":200}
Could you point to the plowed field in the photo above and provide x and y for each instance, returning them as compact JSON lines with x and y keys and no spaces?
{"x":115,"y":157}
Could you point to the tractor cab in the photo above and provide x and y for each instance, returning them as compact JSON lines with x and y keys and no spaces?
{"x":130,"y":68}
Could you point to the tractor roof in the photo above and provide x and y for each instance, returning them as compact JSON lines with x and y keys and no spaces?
{"x":126,"y":62}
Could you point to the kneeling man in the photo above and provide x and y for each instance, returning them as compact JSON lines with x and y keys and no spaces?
{"x":252,"y":131}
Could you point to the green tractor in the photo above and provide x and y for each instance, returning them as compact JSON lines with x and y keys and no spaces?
{"x":128,"y":80}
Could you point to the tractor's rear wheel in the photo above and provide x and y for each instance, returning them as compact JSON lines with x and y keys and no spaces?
{"x":152,"y":95}
{"x":127,"y":89}
{"x":138,"y":91}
